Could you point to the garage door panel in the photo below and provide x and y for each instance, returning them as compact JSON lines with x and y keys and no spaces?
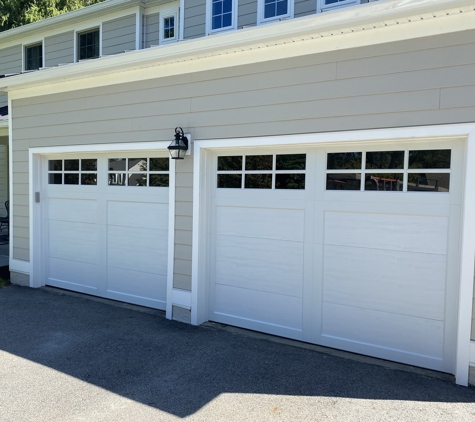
{"x":80,"y":273}
{"x":136,"y":283}
{"x":143,"y":249}
{"x":67,"y":209}
{"x":284,"y":224}
{"x":403,"y":333}
{"x":260,"y":307}
{"x":260,"y":264}
{"x":400,"y":282}
{"x":418,"y":233}
{"x":138,"y":214}
{"x":73,"y":241}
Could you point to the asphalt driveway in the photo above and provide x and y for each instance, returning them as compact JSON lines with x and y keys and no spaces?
{"x":70,"y":358}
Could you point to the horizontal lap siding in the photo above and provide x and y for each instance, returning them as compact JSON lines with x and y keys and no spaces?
{"x":3,"y":100}
{"x":247,"y":13}
{"x":59,"y":49}
{"x":10,"y":60}
{"x":304,"y":8}
{"x":119,"y":35}
{"x":151,"y":30}
{"x":421,"y":82}
{"x":194,"y":19}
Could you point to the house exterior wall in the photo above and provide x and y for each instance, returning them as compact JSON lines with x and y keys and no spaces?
{"x":195,"y":19}
{"x":426,"y":81}
{"x":11,"y":60}
{"x":247,"y":13}
{"x":119,"y":35}
{"x":151,"y":29}
{"x":3,"y":100}
{"x":304,"y":8}
{"x":59,"y":49}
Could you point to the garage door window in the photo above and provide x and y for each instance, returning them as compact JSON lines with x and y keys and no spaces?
{"x":269,"y":171}
{"x":81,"y":171}
{"x":412,"y":170}
{"x":153,"y":172}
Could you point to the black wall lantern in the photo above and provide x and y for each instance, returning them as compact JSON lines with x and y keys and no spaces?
{"x":179,"y":146}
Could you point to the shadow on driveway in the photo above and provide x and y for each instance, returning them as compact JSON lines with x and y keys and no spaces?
{"x":179,"y":368}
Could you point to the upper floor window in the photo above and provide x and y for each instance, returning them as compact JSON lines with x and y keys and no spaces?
{"x":325,"y":5}
{"x":221,"y":15}
{"x":168,"y":27}
{"x":275,"y":9}
{"x":88,"y":44}
{"x":34,"y":56}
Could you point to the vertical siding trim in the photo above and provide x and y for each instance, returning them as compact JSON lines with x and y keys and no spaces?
{"x":171,"y":239}
{"x":181,"y":12}
{"x":138,"y":28}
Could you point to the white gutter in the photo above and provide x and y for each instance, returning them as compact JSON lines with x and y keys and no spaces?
{"x":315,"y":27}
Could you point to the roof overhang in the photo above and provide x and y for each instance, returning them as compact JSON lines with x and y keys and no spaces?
{"x":369,"y":24}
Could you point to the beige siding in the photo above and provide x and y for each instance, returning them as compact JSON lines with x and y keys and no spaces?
{"x":304,"y":8}
{"x":3,"y":178}
{"x":420,"y":82}
{"x":151,"y":30}
{"x":59,"y":49}
{"x":119,"y":35}
{"x":11,"y":60}
{"x":247,"y":13}
{"x":195,"y":19}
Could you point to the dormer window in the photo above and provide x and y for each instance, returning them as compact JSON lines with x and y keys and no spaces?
{"x":88,"y":44}
{"x":169,"y":28}
{"x":34,"y":56}
{"x":327,"y":5}
{"x":221,"y":15}
{"x":271,"y":10}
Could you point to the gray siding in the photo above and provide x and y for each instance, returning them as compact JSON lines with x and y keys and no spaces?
{"x":427,"y":81}
{"x":304,"y":8}
{"x":247,"y":13}
{"x":3,"y":100}
{"x":11,"y":60}
{"x":119,"y":35}
{"x":195,"y":19}
{"x":151,"y":30}
{"x":59,"y":49}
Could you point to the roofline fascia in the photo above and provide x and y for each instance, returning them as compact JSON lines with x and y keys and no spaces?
{"x":339,"y":22}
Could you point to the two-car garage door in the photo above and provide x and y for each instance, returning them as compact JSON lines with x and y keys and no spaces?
{"x":353,"y":248}
{"x":105,"y":225}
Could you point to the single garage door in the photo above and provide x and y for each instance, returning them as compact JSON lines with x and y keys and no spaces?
{"x":354,"y":248}
{"x":106,"y":226}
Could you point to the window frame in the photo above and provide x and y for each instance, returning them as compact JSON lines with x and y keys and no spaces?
{"x":77,"y":45}
{"x":161,"y":27}
{"x":322,"y":7}
{"x":33,"y":44}
{"x":260,"y":13}
{"x":209,"y":18}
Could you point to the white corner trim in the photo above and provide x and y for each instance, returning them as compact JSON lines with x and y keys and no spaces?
{"x":472,"y":353}
{"x":181,"y":12}
{"x":181,"y":298}
{"x":171,"y":239}
{"x":20,"y":266}
{"x":11,"y":230}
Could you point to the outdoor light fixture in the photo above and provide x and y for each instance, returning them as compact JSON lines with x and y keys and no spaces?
{"x":179,"y":146}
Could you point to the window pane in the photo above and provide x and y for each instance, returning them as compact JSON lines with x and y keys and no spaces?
{"x":71,"y":165}
{"x":232,"y":181}
{"x":344,"y":160}
{"x":290,"y":181}
{"x":258,"y":162}
{"x":71,"y":179}
{"x":290,"y":162}
{"x":282,"y":8}
{"x":428,"y":182}
{"x":55,"y":165}
{"x":217,"y":22}
{"x":159,"y":180}
{"x":269,"y":11}
{"x":55,"y":179}
{"x":159,"y":164}
{"x":138,"y":164}
{"x":89,"y":179}
{"x":137,"y":179}
{"x":258,"y":181}
{"x":89,"y":164}
{"x":117,"y":179}
{"x":226,"y":20}
{"x":430,"y":159}
{"x":230,"y":163}
{"x":348,"y":181}
{"x":384,"y":182}
{"x":227,"y":6}
{"x":116,"y":164}
{"x":385,"y":160}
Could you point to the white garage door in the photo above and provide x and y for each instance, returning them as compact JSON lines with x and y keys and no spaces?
{"x":353,"y":248}
{"x":106,"y":226}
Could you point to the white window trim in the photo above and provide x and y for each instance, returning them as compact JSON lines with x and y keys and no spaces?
{"x":322,"y":7}
{"x":161,"y":27}
{"x":77,"y":32}
{"x":260,"y":13}
{"x":199,"y":278}
{"x":209,"y":23}
{"x":24,"y":46}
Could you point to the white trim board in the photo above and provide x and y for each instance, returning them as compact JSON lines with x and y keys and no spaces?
{"x":199,"y":309}
{"x":472,"y":353}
